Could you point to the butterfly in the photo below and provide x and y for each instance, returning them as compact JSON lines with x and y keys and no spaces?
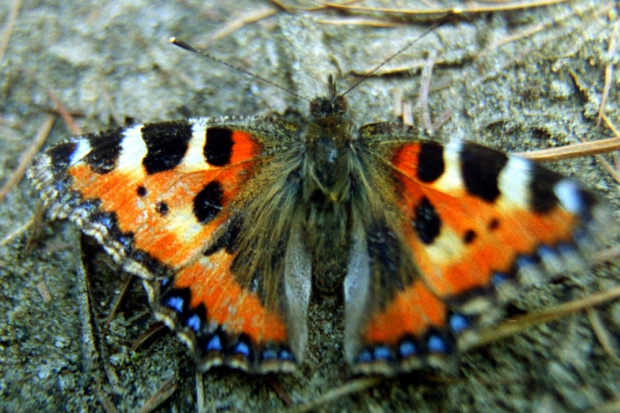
{"x":233,"y":223}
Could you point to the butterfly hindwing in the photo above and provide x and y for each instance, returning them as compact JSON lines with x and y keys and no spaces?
{"x":472,"y":223}
{"x":174,"y":203}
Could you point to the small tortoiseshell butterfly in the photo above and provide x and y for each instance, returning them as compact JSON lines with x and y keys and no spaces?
{"x":233,"y":223}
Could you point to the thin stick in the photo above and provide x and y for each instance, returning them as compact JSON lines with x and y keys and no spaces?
{"x":602,"y":334}
{"x":354,"y":386}
{"x":200,"y":393}
{"x":609,"y":70}
{"x":10,"y":237}
{"x":468,"y":9}
{"x":159,"y":397}
{"x":359,"y":21}
{"x":28,"y":155}
{"x":425,"y":86}
{"x":237,"y":23}
{"x":572,"y":151}
{"x":518,"y":324}
{"x":64,"y":114}
{"x":8,"y":28}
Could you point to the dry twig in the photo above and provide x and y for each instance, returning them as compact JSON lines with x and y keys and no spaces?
{"x":468,"y":8}
{"x":160,"y":396}
{"x":27,"y":156}
{"x":609,"y":69}
{"x":8,"y":28}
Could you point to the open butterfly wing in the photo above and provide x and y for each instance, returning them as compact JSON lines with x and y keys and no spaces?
{"x":167,"y":201}
{"x":472,"y":223}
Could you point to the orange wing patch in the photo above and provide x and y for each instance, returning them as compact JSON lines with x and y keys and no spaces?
{"x":222,"y":321}
{"x":163,"y":186}
{"x":227,"y":303}
{"x":459,"y":240}
{"x":414,"y":310}
{"x":157,"y":210}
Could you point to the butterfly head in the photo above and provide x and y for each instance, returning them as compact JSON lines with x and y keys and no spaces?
{"x":330,"y":110}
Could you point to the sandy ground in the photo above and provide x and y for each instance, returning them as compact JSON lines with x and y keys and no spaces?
{"x":112,"y":64}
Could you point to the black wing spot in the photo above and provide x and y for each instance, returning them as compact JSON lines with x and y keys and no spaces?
{"x":430,"y":162}
{"x":480,"y":167}
{"x":162,"y":208}
{"x":218,"y":146}
{"x":427,"y":223}
{"x":60,"y":155}
{"x":105,"y":150}
{"x":141,"y":191}
{"x":208,"y":202}
{"x":166,"y":145}
{"x":493,"y":224}
{"x":469,"y":236}
{"x":542,"y":195}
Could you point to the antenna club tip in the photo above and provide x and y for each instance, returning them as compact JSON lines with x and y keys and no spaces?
{"x":180,"y":43}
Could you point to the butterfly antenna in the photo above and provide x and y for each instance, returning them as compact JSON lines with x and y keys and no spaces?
{"x":400,"y":51}
{"x":188,"y":47}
